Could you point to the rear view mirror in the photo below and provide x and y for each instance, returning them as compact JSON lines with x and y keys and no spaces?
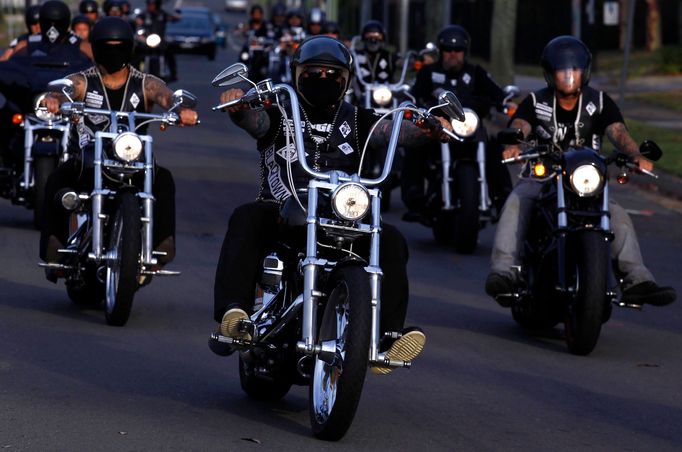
{"x":510,"y":136}
{"x":511,"y":90}
{"x":62,"y":86}
{"x":184,"y":99}
{"x":650,"y":150}
{"x":231,"y":75}
{"x":451,"y":105}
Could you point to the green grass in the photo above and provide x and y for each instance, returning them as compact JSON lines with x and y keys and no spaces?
{"x":671,"y":100}
{"x":669,"y":140}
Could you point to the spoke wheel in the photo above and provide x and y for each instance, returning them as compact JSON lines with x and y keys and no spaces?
{"x":336,"y":382}
{"x":123,"y":260}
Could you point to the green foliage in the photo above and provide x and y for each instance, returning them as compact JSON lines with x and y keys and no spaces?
{"x":671,"y":59}
{"x":669,"y":140}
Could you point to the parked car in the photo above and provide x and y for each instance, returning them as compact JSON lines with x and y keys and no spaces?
{"x":193,"y":33}
{"x":236,"y":5}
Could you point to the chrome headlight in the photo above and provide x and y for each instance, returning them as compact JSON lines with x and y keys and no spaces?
{"x":586,"y":180}
{"x":153,"y":40}
{"x":382,"y":96}
{"x":128,"y":146}
{"x":350,"y":201}
{"x":41,"y":112}
{"x":467,"y":127}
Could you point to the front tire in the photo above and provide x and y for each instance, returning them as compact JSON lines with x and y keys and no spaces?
{"x":467,"y":222}
{"x":586,"y":311}
{"x":121,"y":272}
{"x":42,"y":168}
{"x":258,"y":388}
{"x":336,"y":386}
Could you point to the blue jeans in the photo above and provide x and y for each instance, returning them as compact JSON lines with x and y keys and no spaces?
{"x":513,"y":227}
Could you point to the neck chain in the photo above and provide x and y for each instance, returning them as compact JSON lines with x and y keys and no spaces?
{"x":318,"y":141}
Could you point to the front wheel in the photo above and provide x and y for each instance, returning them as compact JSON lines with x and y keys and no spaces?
{"x":42,"y":168}
{"x":586,"y":310}
{"x":467,"y":223}
{"x":336,"y":382}
{"x":123,"y":256}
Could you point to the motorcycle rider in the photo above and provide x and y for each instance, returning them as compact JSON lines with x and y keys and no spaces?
{"x":55,"y":19}
{"x":476,"y":90}
{"x":567,"y":113}
{"x":155,"y":20}
{"x":376,"y":63}
{"x":90,"y":8}
{"x":315,"y":22}
{"x":111,"y":84}
{"x":322,"y":68}
{"x":32,"y":20}
{"x":332,"y":29}
{"x":80,"y":26}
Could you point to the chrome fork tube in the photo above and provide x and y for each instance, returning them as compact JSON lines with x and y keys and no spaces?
{"x":480,"y":158}
{"x":97,"y":194}
{"x":65,"y":143}
{"x":148,"y":202}
{"x":375,"y":275}
{"x":446,"y":163}
{"x":310,"y":274}
{"x":605,"y":219}
{"x":28,"y":158}
{"x":562,"y":220}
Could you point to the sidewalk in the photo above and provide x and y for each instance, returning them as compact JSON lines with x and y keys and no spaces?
{"x":667,"y":185}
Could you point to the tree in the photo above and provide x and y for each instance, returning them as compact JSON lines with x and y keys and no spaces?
{"x":502,"y":40}
{"x":653,"y":25}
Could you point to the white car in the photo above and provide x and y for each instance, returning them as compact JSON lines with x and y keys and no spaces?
{"x":236,"y":5}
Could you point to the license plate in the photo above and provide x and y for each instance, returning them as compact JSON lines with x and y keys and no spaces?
{"x":186,"y":45}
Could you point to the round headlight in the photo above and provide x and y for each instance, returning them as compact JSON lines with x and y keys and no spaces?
{"x":128,"y":146}
{"x":41,"y":112}
{"x":153,"y":40}
{"x":382,"y":96}
{"x":350,"y":201}
{"x":467,"y":127}
{"x":586,"y":180}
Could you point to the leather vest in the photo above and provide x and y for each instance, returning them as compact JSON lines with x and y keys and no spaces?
{"x":581,"y":132}
{"x":96,"y":97}
{"x":378,"y":69}
{"x":328,"y":146}
{"x":462,"y":84}
{"x":67,"y":50}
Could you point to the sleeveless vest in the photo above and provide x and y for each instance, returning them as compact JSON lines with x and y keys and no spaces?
{"x":96,"y":97}
{"x":328,"y":146}
{"x":379,"y":69}
{"x":581,"y":132}
{"x":462,"y":84}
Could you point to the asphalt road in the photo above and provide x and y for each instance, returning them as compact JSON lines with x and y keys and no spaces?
{"x":70,"y":382}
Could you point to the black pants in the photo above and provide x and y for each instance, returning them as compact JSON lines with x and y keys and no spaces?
{"x":252,"y":233}
{"x":416,"y":170}
{"x":71,"y":175}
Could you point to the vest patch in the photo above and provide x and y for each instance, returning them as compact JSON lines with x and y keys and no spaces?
{"x":466,"y":78}
{"x":344,"y":129}
{"x":277,"y":187}
{"x":94,"y":100}
{"x":134,"y":100}
{"x":346,"y":148}
{"x":52,"y":34}
{"x":288,"y":153}
{"x":591,"y":108}
{"x":437,"y":77}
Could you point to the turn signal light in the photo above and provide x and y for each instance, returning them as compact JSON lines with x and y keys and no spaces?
{"x":623,"y":178}
{"x":407,"y":115}
{"x":539,"y":170}
{"x":17,"y":119}
{"x":163,"y":126}
{"x":418,"y":65}
{"x":511,"y":111}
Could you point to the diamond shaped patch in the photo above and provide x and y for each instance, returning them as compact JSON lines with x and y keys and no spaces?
{"x":134,"y":100}
{"x":52,"y":34}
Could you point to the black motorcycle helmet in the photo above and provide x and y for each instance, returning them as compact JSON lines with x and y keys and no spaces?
{"x":373,"y":26}
{"x":113,"y":8}
{"x":454,"y":37}
{"x":81,"y":19}
{"x":372,"y":44}
{"x":32,"y":16}
{"x":55,"y":19}
{"x":323,"y":51}
{"x":331,"y":28}
{"x":279,"y":9}
{"x":565,"y":52}
{"x":113,"y":57}
{"x":316,"y":16}
{"x":87,"y":6}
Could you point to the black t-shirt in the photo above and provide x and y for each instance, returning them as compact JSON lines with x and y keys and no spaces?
{"x":366,"y":119}
{"x":610,"y":114}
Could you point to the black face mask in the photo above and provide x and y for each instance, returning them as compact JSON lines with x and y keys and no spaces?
{"x":320,"y":92}
{"x":113,"y":57}
{"x":373,"y":45}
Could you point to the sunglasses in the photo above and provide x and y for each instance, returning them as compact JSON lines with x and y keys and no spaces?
{"x":452,"y":49}
{"x":315,"y":72}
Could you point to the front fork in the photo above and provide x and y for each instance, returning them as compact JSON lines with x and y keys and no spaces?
{"x":446,"y":177}
{"x":27,"y":180}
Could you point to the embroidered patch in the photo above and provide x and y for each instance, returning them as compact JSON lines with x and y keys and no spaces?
{"x":362,"y":59}
{"x":52,"y":34}
{"x":346,"y":148}
{"x":134,"y":100}
{"x":277,"y":186}
{"x":437,"y":77}
{"x":344,"y":129}
{"x":383,"y":64}
{"x":94,"y":100}
{"x":97,"y":119}
{"x":73,"y":39}
{"x":466,"y":78}
{"x":591,"y":108}
{"x":288,"y":153}
{"x":453,"y":82}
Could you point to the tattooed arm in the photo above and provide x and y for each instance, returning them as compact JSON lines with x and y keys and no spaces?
{"x":156,"y":92}
{"x":53,"y":100}
{"x":619,"y":136}
{"x":256,"y":123}
{"x":513,"y":150}
{"x":411,"y":135}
